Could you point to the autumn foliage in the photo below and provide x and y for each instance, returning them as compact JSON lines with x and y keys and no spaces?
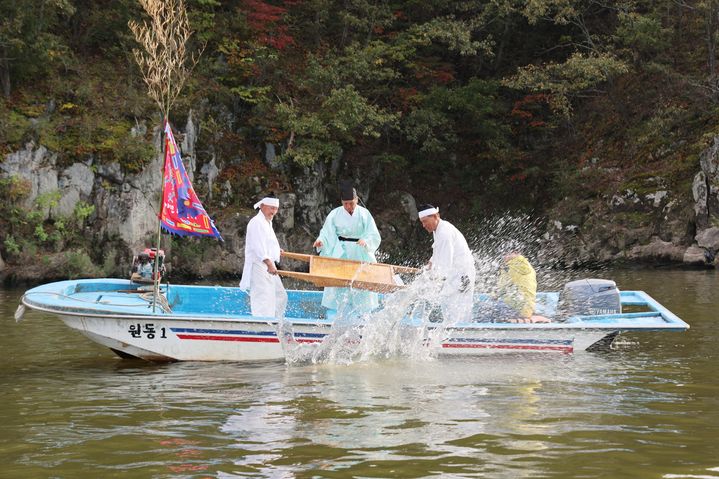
{"x":266,"y":21}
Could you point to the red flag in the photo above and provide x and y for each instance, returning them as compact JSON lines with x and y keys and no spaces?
{"x":182,"y":213}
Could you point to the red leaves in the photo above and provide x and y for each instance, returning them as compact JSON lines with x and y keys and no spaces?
{"x":433,"y":74}
{"x":530,"y":109}
{"x":518,"y":178}
{"x":407,"y":97}
{"x":265,"y":20}
{"x":260,"y":13}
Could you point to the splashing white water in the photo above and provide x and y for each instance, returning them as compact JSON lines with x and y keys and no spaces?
{"x":406,"y":326}
{"x":409,"y":323}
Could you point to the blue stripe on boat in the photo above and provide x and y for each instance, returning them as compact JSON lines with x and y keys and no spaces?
{"x":242,"y":333}
{"x":564,"y":342}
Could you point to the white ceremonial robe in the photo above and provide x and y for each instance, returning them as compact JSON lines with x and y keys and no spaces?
{"x":451,"y":261}
{"x":267,"y":294}
{"x":358,"y":225}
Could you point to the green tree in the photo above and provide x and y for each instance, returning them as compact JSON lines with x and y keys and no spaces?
{"x":580,"y":75}
{"x":29,"y":42}
{"x":339,"y":120}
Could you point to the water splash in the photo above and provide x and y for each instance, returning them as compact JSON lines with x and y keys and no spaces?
{"x":407,"y":325}
{"x":410,"y":323}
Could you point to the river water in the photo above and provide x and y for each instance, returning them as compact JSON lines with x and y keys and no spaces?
{"x":649,"y":408}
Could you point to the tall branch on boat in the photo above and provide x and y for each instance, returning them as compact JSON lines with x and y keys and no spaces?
{"x":163,"y":59}
{"x":165,"y":68}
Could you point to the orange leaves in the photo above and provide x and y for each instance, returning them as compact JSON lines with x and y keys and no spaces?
{"x":530,"y":109}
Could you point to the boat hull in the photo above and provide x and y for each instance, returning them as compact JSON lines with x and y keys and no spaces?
{"x":189,"y":340}
{"x":181,"y":340}
{"x":203,"y":323}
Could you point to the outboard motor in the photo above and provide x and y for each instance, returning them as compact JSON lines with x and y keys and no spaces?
{"x":143,"y":265}
{"x":590,"y":297}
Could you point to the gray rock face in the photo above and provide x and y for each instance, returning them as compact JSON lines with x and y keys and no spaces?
{"x":225,"y":193}
{"x":657,"y":250}
{"x":706,"y":185}
{"x":130,"y":211}
{"x":709,"y":163}
{"x":36,"y":166}
{"x":705,"y":190}
{"x":228,"y":258}
{"x":75,"y":184}
{"x":709,"y":239}
{"x":397,"y":223}
{"x":700,"y":192}
{"x":626,"y":201}
{"x":2,"y":263}
{"x":126,"y":205}
{"x":312,"y":201}
{"x":187,"y":146}
{"x":285,"y":218}
{"x":129,"y":215}
{"x":654,"y":226}
{"x":139,"y":129}
{"x":696,"y":256}
{"x":111,"y":172}
{"x":271,"y":156}
{"x":234,"y":231}
{"x":410,"y":207}
{"x":658,"y":198}
{"x":675,"y":223}
{"x":210,"y":171}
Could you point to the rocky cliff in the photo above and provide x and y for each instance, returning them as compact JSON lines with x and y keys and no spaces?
{"x":125,"y":207}
{"x":650,"y":223}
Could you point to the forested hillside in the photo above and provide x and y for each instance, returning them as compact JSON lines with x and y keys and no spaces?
{"x":550,"y":107}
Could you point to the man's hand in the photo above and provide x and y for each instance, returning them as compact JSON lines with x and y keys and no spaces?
{"x":271,"y":268}
{"x":361,"y":242}
{"x":317,"y":244}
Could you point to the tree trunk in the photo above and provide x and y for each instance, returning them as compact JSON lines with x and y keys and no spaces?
{"x":5,"y":72}
{"x":318,"y":29}
{"x":711,"y":31}
{"x":503,"y":42}
{"x":345,"y":26}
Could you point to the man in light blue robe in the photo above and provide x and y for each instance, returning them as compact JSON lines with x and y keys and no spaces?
{"x":349,"y":232}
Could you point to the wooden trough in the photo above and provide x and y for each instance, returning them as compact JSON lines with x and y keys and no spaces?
{"x":345,"y":273}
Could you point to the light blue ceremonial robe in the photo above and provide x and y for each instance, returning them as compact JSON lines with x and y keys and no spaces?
{"x":359,"y":225}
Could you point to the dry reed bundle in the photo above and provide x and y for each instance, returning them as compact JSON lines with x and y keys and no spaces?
{"x":163,"y":60}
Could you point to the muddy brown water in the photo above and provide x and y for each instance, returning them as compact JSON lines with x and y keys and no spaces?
{"x":649,"y":408}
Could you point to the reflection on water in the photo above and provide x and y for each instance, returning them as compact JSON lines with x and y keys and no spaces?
{"x":647,"y":409}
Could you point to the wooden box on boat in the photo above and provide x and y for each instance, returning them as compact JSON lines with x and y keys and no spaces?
{"x":333,"y":272}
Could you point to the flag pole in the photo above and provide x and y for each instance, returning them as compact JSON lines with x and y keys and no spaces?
{"x":156,"y":268}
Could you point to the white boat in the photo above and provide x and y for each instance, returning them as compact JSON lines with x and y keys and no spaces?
{"x":212,"y":323}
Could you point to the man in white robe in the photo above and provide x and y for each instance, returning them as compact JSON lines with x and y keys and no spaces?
{"x":452,"y":263}
{"x":349,"y":232}
{"x":262,"y":250}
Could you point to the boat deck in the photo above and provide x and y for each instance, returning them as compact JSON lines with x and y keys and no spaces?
{"x":118,"y":298}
